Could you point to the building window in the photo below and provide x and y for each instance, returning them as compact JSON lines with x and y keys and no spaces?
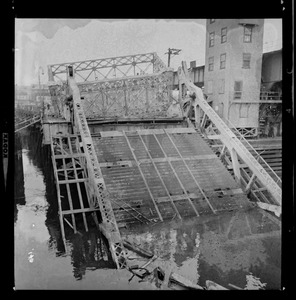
{"x":248,"y":34}
{"x":244,"y":111}
{"x":222,"y":61}
{"x":223,"y":35}
{"x":210,"y":87}
{"x":211,"y":63}
{"x":212,"y":37}
{"x":212,"y":21}
{"x":238,"y":89}
{"x":221,"y":86}
{"x":246,"y":60}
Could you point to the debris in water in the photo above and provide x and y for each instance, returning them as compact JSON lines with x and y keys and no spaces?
{"x":211,"y":285}
{"x":254,"y":283}
{"x":179,"y":279}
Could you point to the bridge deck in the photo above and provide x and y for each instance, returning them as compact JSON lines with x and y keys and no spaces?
{"x":164,"y":173}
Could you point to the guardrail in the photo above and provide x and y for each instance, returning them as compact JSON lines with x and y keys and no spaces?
{"x":31,"y":121}
{"x":252,"y":150}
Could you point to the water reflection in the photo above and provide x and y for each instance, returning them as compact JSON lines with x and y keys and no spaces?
{"x":19,"y":188}
{"x":242,"y":248}
{"x":89,"y":252}
{"x":36,"y":214}
{"x":225,"y":249}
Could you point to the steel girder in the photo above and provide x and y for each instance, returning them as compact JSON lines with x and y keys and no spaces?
{"x":106,"y":68}
{"x":234,"y":141}
{"x":146,"y":96}
{"x":100,"y":196}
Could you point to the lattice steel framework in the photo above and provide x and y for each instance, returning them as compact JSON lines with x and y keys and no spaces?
{"x":106,"y":68}
{"x":128,"y":94}
{"x":146,"y":96}
{"x":237,"y":145}
{"x":97,"y":188}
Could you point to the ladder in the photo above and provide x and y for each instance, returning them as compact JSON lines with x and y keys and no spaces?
{"x":228,"y":137}
{"x":101,"y":197}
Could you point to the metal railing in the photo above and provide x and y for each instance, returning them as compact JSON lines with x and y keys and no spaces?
{"x":267,"y":95}
{"x":229,"y":138}
{"x":28,"y":122}
{"x":252,"y":150}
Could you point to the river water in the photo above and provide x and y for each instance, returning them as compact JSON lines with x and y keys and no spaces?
{"x":239,"y":248}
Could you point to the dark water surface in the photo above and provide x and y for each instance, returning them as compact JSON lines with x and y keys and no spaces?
{"x":240,"y":248}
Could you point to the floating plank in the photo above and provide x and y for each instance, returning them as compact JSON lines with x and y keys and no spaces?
{"x":234,"y":286}
{"x":179,"y":279}
{"x":277,"y":210}
{"x":211,"y":285}
{"x":137,"y":249}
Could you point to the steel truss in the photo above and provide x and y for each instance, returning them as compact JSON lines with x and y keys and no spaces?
{"x":97,"y":188}
{"x":106,"y":68}
{"x":145,"y":95}
{"x":140,"y":96}
{"x":236,"y":144}
{"x":26,"y":122}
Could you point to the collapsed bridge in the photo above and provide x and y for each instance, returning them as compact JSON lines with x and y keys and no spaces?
{"x":130,"y":151}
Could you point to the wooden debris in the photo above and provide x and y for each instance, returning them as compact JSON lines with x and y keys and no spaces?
{"x":211,"y":285}
{"x":149,"y":262}
{"x":134,"y":267}
{"x":159,"y":276}
{"x":137,"y":249}
{"x":137,"y":272}
{"x":277,"y":210}
{"x":179,"y":279}
{"x":234,"y":286}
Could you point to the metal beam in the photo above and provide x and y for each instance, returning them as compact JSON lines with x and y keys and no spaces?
{"x":179,"y":181}
{"x":190,"y":172}
{"x":157,"y":171}
{"x":109,"y":224}
{"x":229,"y":138}
{"x":144,"y":179}
{"x":235,"y":165}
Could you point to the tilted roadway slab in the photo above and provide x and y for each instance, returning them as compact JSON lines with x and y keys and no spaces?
{"x":164,"y":173}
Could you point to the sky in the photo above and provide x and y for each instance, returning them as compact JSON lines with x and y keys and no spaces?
{"x":40,"y":42}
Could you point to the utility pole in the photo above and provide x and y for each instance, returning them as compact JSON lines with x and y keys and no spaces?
{"x":172,"y":51}
{"x":40,"y":94}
